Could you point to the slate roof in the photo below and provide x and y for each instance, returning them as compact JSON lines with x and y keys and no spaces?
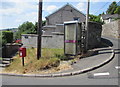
{"x":64,"y":7}
{"x":107,"y":16}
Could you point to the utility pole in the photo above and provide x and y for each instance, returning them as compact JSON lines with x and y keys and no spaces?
{"x":39,"y":30}
{"x":87,"y":23}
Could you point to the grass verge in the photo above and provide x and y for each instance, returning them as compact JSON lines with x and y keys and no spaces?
{"x":50,"y":60}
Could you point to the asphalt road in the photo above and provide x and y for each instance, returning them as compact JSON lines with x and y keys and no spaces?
{"x":82,"y":79}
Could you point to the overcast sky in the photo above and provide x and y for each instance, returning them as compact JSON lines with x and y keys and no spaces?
{"x":14,"y":12}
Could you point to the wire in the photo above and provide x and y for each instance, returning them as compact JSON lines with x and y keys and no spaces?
{"x":102,"y":7}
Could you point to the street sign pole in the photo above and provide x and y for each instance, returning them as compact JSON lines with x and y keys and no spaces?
{"x":23,"y":61}
{"x":39,"y":30}
{"x":87,"y":28}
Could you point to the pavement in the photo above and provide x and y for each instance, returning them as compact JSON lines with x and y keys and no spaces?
{"x":83,"y":65}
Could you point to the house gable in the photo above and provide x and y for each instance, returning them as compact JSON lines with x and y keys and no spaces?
{"x":66,"y":13}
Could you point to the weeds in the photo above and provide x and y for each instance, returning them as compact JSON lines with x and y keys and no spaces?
{"x":50,"y":58}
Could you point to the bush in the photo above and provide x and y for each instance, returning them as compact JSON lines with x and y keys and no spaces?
{"x":7,"y":37}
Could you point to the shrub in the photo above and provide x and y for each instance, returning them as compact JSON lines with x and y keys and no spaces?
{"x":7,"y":37}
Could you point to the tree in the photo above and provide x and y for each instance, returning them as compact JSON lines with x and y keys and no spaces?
{"x":7,"y":37}
{"x":25,"y":28}
{"x":117,"y":11}
{"x":103,"y":13}
{"x":112,"y":8}
{"x":95,"y":18}
{"x":43,"y":24}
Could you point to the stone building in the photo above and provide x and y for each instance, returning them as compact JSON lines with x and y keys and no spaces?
{"x":107,"y":18}
{"x":53,"y":37}
{"x":54,"y":21}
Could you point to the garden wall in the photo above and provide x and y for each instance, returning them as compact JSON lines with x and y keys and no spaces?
{"x":56,"y":40}
{"x":48,"y":41}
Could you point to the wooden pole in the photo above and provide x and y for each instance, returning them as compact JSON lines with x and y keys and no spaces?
{"x":87,"y":23}
{"x":39,"y":30}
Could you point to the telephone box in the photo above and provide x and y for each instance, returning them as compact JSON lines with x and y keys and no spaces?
{"x":22,"y":52}
{"x":72,"y":38}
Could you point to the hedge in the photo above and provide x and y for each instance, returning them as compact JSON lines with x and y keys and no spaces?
{"x":7,"y":37}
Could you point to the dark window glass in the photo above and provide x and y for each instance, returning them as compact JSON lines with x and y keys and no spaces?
{"x":76,"y":18}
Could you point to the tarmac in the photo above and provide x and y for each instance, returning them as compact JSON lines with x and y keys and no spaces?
{"x":83,"y":65}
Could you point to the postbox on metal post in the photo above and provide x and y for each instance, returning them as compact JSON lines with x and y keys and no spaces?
{"x":22,"y":53}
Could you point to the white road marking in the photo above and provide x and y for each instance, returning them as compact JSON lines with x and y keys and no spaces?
{"x":101,"y":74}
{"x":117,"y":67}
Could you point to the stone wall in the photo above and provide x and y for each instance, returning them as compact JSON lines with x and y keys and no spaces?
{"x":111,"y":29}
{"x":56,"y":40}
{"x":48,"y":41}
{"x":53,"y":41}
{"x":94,"y":34}
{"x":29,"y":40}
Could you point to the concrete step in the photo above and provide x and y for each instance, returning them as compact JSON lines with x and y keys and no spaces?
{"x":5,"y":62}
{"x":4,"y":65}
{"x":6,"y":59}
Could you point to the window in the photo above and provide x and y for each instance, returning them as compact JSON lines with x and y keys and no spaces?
{"x":26,"y":37}
{"x":76,"y":18}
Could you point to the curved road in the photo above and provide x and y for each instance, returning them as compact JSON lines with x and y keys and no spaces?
{"x":82,"y":79}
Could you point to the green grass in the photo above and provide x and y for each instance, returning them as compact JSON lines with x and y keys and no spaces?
{"x":49,"y":59}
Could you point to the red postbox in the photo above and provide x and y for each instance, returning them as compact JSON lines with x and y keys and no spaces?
{"x":22,"y":52}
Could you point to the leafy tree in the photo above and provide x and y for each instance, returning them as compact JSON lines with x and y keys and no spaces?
{"x":25,"y":28}
{"x":117,"y":11}
{"x":95,"y":18}
{"x":112,"y":8}
{"x":7,"y":37}
{"x":36,"y":24}
{"x":43,"y":23}
{"x":103,"y":13}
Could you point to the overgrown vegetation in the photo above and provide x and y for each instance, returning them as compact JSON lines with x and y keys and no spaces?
{"x":6,"y":37}
{"x":95,"y":18}
{"x":48,"y":60}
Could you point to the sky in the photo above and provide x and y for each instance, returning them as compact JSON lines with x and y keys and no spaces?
{"x":15,"y":12}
